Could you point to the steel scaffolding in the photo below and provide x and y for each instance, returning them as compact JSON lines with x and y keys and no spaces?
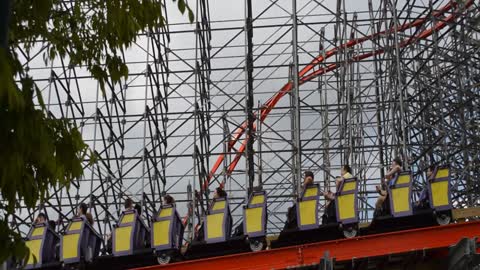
{"x":206,"y":104}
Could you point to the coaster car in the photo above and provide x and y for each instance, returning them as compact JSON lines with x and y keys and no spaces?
{"x":255,"y":220}
{"x":214,"y":238}
{"x":130,"y":235}
{"x":130,"y":244}
{"x":42,"y":242}
{"x":167,"y":234}
{"x":305,"y":228}
{"x":439,"y":196}
{"x":346,"y":207}
{"x":398,"y":211}
{"x":80,"y":243}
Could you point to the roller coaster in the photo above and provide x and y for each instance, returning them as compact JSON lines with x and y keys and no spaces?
{"x":135,"y":244}
{"x":137,"y":241}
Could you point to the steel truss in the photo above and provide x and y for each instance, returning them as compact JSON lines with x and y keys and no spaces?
{"x":367,"y":83}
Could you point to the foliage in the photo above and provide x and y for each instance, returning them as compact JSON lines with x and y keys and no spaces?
{"x":10,"y":240}
{"x":37,"y":151}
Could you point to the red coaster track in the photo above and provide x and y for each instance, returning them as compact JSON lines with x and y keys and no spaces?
{"x":437,"y":238}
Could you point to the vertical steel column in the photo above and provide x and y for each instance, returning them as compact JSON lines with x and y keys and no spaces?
{"x":399,"y":84}
{"x":466,"y":112}
{"x":96,"y":119}
{"x":343,"y":87}
{"x":322,"y":91}
{"x":259,"y":147}
{"x":191,"y":212}
{"x":297,"y":159}
{"x":145,"y":119}
{"x":227,"y":179}
{"x":350,"y":94}
{"x":250,"y":166}
{"x":377,"y":74}
{"x":226,"y":137}
{"x":439,"y":95}
{"x":388,"y":98}
{"x":195,"y":115}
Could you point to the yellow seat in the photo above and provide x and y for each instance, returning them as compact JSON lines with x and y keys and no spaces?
{"x":254,"y":215}
{"x":70,"y":245}
{"x":439,"y":189}
{"x":218,"y":222}
{"x":167,"y":229}
{"x":42,"y":242}
{"x":130,"y":234}
{"x":161,"y":233}
{"x":307,"y":208}
{"x":346,"y":201}
{"x":400,"y":193}
{"x":79,"y":242}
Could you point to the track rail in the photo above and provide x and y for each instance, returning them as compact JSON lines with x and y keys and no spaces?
{"x":424,"y":239}
{"x":443,"y":16}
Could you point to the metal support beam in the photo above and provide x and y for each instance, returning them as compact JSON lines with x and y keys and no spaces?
{"x":249,"y":96}
{"x":297,"y":147}
{"x":326,"y":263}
{"x":464,"y":256}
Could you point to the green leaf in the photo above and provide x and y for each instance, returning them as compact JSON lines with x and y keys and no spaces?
{"x":191,"y":16}
{"x":181,"y":6}
{"x":9,"y":94}
{"x":40,"y":98}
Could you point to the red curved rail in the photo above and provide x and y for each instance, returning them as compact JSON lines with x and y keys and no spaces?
{"x":304,"y":77}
